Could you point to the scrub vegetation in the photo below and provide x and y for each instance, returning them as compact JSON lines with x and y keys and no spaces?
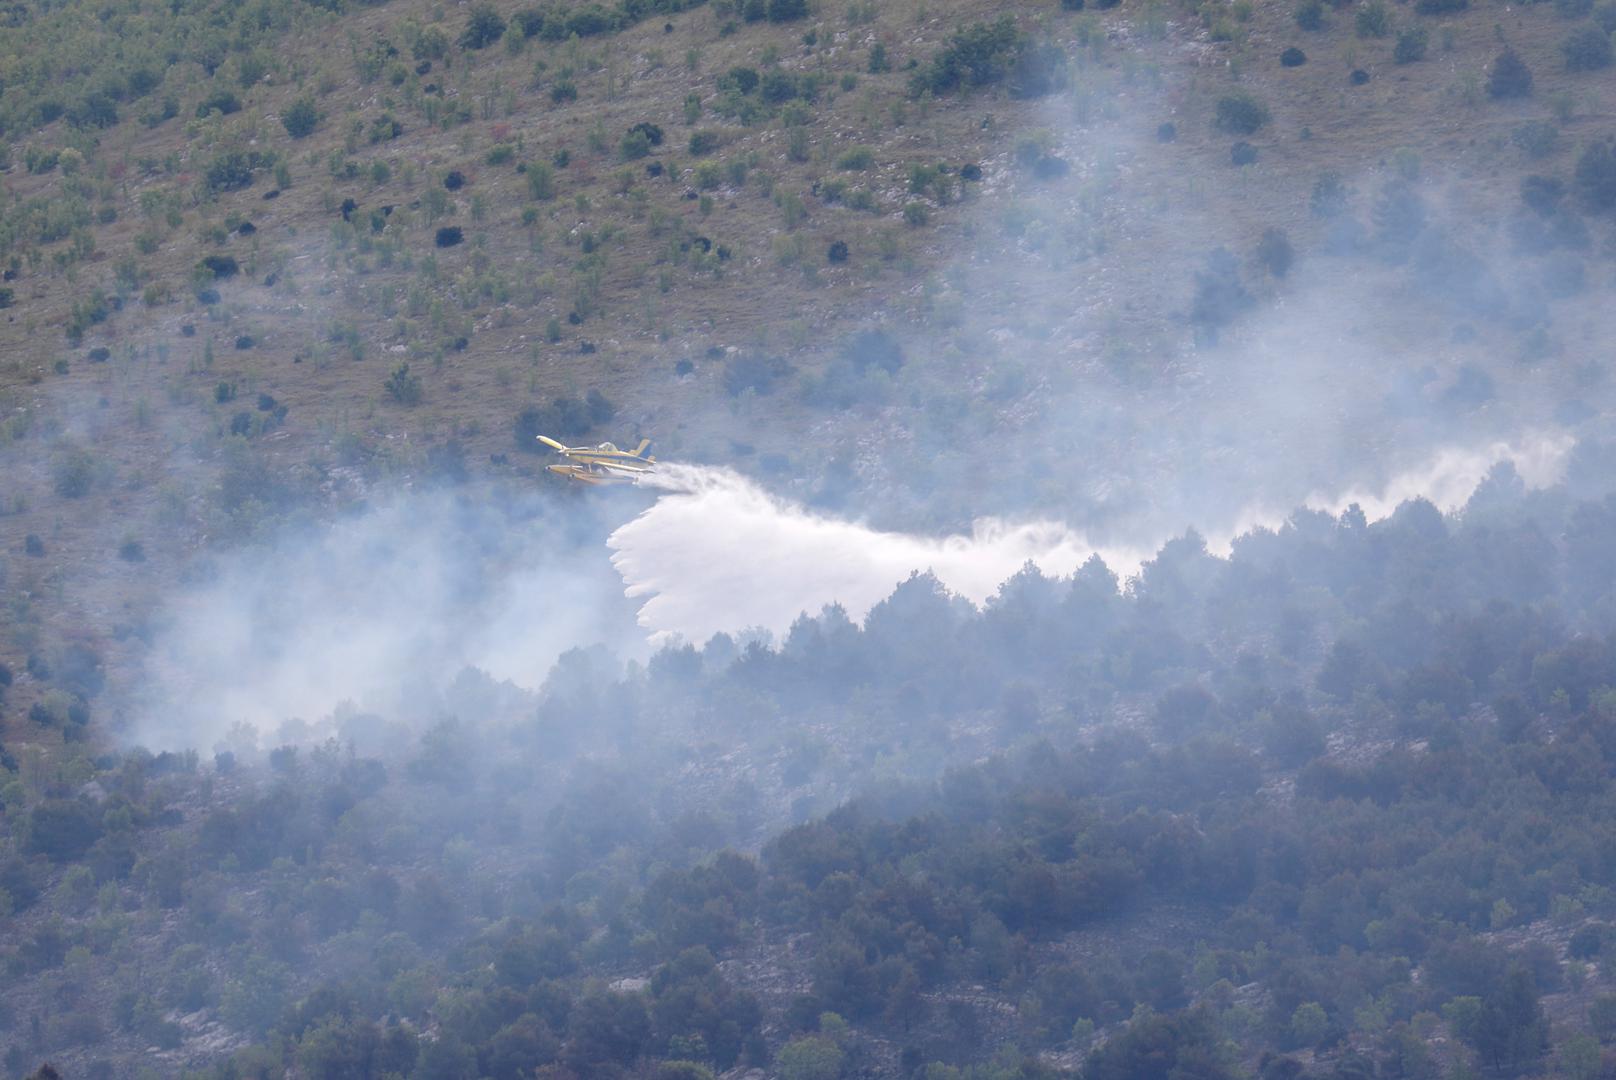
{"x":1337,"y":806}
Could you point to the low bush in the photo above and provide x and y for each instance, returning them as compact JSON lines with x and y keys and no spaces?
{"x":233,"y":170}
{"x":403,"y":387}
{"x":635,"y":145}
{"x":873,"y":348}
{"x":1374,"y":20}
{"x":1411,"y":45}
{"x":1275,"y":253}
{"x":222,"y":102}
{"x":1536,"y":139}
{"x":484,"y":27}
{"x":301,"y":118}
{"x":1596,"y":175}
{"x":979,"y":55}
{"x":755,"y":372}
{"x":1240,"y":114}
{"x":1587,"y":49}
{"x":218,"y":267}
{"x":1509,"y":77}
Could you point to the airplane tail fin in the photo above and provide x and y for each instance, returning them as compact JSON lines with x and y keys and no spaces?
{"x":640,"y":450}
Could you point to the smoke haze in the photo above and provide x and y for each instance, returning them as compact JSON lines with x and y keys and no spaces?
{"x":717,"y":553}
{"x":377,"y":612}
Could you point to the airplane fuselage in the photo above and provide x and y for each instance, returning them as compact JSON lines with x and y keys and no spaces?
{"x":603,"y":464}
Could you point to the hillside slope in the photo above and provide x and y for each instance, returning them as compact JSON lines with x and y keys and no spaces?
{"x":209,"y":318}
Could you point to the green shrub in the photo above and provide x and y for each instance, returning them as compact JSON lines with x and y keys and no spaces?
{"x":430,"y":44}
{"x":1275,"y":252}
{"x":1219,"y":295}
{"x":635,"y":145}
{"x":1509,"y":76}
{"x":301,"y":118}
{"x":1440,"y":7}
{"x":499,"y":154}
{"x":218,"y":267}
{"x":916,"y":214}
{"x":739,"y":80}
{"x":221,"y":101}
{"x":1240,"y":114}
{"x":979,"y":55}
{"x":1587,"y":49}
{"x":1310,"y":15}
{"x":1411,"y":45}
{"x":483,"y":28}
{"x":1536,"y":138}
{"x":1602,"y":1016}
{"x":403,"y":387}
{"x":778,"y":87}
{"x":709,"y":175}
{"x":540,"y":181}
{"x":809,"y":1057}
{"x":61,"y":829}
{"x":1374,"y":20}
{"x":755,"y":372}
{"x":73,"y":473}
{"x":1596,"y":175}
{"x":232,"y":170}
{"x":704,"y":141}
{"x":384,"y":129}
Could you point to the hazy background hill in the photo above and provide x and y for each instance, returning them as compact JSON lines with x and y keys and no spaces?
{"x":222,"y":229}
{"x":289,"y":289}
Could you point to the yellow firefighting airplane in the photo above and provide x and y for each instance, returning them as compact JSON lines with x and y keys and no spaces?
{"x":603,"y":464}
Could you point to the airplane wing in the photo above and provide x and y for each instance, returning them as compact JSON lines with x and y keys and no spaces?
{"x":600,"y":464}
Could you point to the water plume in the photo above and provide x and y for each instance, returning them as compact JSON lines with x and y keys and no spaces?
{"x":718,"y":553}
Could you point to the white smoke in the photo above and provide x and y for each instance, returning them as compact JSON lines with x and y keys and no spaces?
{"x":718,"y":553}
{"x":380,"y":611}
{"x":1446,"y":479}
{"x":376,"y":612}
